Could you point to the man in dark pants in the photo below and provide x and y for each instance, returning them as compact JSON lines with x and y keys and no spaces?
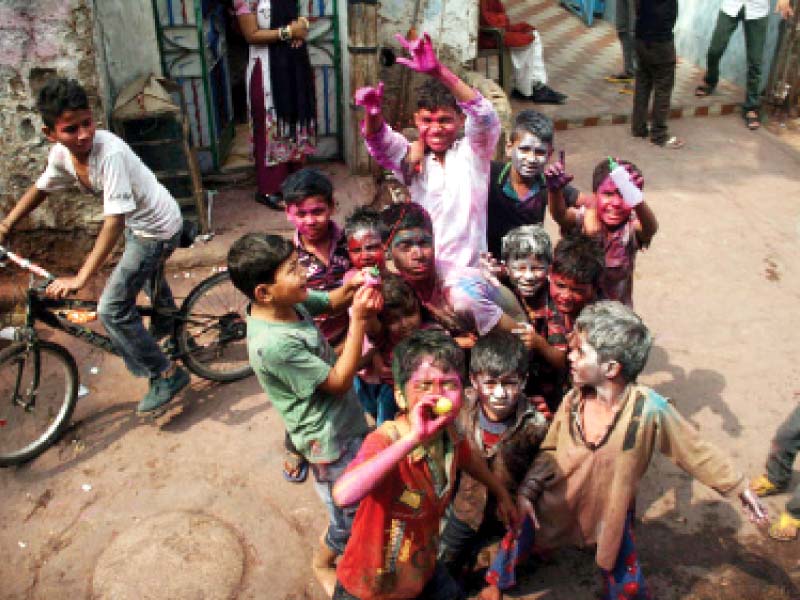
{"x":625,"y":15}
{"x":754,"y":15}
{"x":655,"y":71}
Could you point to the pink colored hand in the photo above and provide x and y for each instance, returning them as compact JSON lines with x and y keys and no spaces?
{"x":636,"y":176}
{"x":371,"y":98}
{"x":424,"y":423}
{"x":556,"y":177}
{"x":423,"y":57}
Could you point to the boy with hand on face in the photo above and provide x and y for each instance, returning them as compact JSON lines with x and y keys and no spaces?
{"x":365,"y":234}
{"x":403,"y":477}
{"x":451,"y":177}
{"x":301,"y":375}
{"x":582,"y":485}
{"x":136,"y":206}
{"x":517,"y":188}
{"x":507,"y":430}
{"x":619,"y":218}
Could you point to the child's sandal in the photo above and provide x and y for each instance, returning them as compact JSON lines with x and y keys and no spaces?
{"x":295,"y":468}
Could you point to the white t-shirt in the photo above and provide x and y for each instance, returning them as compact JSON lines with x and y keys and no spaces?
{"x":753,"y":9}
{"x":127,"y":185}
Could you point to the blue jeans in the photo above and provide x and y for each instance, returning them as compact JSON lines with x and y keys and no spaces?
{"x":340,"y":520}
{"x":117,"y":307}
{"x":377,"y":399}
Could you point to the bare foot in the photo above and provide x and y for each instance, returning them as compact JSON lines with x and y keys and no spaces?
{"x":323,"y":564}
{"x":490,"y":592}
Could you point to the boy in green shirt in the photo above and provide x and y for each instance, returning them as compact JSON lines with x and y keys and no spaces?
{"x":307,"y":384}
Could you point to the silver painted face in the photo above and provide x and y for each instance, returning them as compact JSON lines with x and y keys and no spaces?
{"x":528,"y":275}
{"x":529,"y":155}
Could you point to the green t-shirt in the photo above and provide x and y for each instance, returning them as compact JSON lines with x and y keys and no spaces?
{"x":291,"y":360}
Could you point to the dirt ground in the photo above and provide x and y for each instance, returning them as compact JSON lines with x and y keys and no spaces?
{"x":192,"y":505}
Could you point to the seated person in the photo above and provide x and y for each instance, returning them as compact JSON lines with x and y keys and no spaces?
{"x":527,"y":58}
{"x":517,"y":189}
{"x":581,"y":488}
{"x":507,"y":430}
{"x":463,"y":301}
{"x":403,"y":477}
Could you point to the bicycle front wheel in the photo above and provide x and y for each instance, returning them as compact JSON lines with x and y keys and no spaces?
{"x":212,"y":331}
{"x":38,"y":392}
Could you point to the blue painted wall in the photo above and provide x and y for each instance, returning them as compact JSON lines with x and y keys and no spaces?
{"x":696,"y":20}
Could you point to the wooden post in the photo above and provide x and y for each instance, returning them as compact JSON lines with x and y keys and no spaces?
{"x":362,"y":52}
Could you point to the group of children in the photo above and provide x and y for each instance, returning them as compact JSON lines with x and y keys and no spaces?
{"x":360,"y":336}
{"x":449,"y":467}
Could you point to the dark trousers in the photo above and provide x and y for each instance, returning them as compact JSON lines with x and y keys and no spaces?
{"x":755,"y":34}
{"x":655,"y":75}
{"x":441,"y":586}
{"x":626,"y":30}
{"x":783,"y":451}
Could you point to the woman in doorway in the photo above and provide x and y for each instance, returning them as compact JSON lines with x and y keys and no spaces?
{"x":280,"y":88}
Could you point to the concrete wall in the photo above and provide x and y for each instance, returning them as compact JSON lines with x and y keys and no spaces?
{"x":452,"y":24}
{"x":696,"y":20}
{"x":39,"y":39}
{"x":125,"y":41}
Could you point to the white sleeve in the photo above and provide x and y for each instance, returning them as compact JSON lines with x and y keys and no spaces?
{"x":117,"y":193}
{"x":55,"y":176}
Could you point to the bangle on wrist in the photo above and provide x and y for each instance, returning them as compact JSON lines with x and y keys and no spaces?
{"x":285,"y":33}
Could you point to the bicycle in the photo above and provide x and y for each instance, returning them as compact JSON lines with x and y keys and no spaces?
{"x":39,"y":379}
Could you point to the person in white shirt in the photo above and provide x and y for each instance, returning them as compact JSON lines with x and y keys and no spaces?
{"x":134,"y":202}
{"x":754,"y":16}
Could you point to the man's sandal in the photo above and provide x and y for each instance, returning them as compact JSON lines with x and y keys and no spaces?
{"x":703,"y":90}
{"x":752,"y":120}
{"x":295,"y":468}
{"x":785,"y":529}
{"x":762,"y":487}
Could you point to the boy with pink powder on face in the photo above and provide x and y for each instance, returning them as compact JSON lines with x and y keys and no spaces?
{"x":446,"y":175}
{"x":322,"y":253}
{"x":623,"y":225}
{"x":403,"y":478}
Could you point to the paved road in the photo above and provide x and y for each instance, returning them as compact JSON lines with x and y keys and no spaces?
{"x":719,"y":288}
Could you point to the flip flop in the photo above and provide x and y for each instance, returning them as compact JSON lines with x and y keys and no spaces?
{"x":762,"y":486}
{"x":299,"y":464}
{"x":752,"y":120}
{"x":786,"y":528}
{"x":703,"y":90}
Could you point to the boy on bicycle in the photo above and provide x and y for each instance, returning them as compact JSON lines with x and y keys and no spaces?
{"x":134,"y":202}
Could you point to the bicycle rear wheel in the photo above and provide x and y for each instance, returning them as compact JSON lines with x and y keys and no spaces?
{"x":38,"y":392}
{"x":212,"y":332}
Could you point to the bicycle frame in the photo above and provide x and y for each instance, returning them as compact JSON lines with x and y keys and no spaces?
{"x":40,"y":308}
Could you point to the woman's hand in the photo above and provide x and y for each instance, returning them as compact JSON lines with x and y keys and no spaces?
{"x":299,"y":29}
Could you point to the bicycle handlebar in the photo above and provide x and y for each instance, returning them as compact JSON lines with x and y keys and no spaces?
{"x":24,"y":263}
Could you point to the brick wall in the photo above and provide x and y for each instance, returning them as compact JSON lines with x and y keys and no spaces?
{"x":39,"y":39}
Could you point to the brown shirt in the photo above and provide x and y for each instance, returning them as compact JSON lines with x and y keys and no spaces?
{"x":585,"y":493}
{"x":509,"y":459}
